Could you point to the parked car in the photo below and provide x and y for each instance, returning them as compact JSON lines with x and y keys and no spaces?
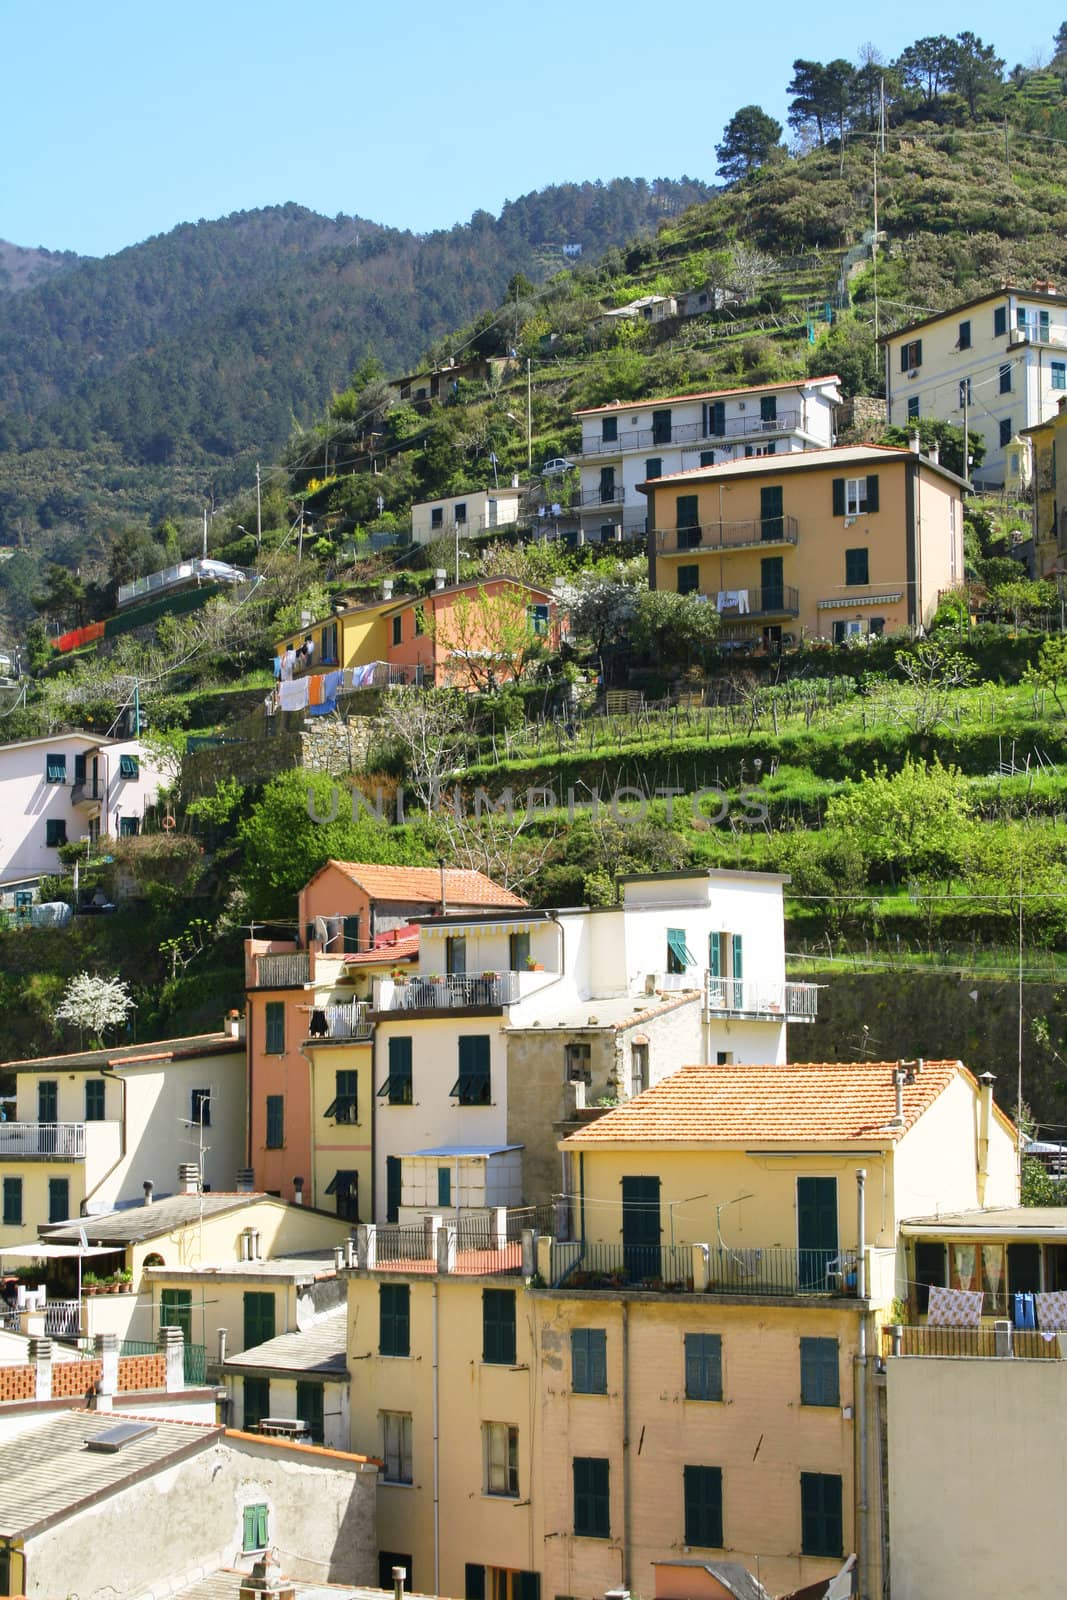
{"x":556,"y":467}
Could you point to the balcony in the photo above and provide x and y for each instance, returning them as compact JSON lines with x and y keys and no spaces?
{"x":597,"y":497}
{"x":88,"y":793}
{"x":782,"y":1002}
{"x":703,"y":1269}
{"x":746,"y":427}
{"x":778,"y":600}
{"x":42,"y":1141}
{"x":1036,"y":329}
{"x":752,"y":533}
{"x":452,"y":992}
{"x":341,"y":1024}
{"x":283,"y":971}
{"x":1024,"y":1343}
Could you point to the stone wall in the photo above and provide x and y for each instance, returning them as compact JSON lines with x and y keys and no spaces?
{"x":860,"y":419}
{"x":259,"y":748}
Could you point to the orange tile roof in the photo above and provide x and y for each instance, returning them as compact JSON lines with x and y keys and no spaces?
{"x":807,"y":1101}
{"x":400,"y":944}
{"x":423,"y":884}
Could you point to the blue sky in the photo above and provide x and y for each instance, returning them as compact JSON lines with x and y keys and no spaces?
{"x":133,"y":116}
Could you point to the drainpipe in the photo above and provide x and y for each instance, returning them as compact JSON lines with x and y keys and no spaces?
{"x":861,"y":1380}
{"x":626,"y":1473}
{"x":436,"y":1446}
{"x":310,"y":1059}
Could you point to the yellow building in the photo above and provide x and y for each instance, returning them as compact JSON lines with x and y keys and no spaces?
{"x":350,"y":637}
{"x":1048,"y":441}
{"x":857,"y":540}
{"x":690,"y":1374}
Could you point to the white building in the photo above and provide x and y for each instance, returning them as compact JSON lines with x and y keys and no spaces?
{"x":624,"y":444}
{"x":64,"y":787}
{"x":1003,"y":355}
{"x":465,"y":515}
{"x":515,"y":1020}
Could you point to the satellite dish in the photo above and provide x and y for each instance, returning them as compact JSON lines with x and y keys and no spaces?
{"x":322,"y":931}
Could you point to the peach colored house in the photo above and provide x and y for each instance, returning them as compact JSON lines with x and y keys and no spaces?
{"x":306,"y":1001}
{"x":469,"y":634}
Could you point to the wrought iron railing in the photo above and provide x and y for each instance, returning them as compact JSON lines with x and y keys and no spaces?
{"x":770,"y":601}
{"x":796,"y":1001}
{"x":727,"y":535}
{"x":690,"y":433}
{"x":774,"y":1270}
{"x":620,"y":1266}
{"x":349,"y":1020}
{"x":62,"y":1319}
{"x":447,"y":992}
{"x":65,"y":1141}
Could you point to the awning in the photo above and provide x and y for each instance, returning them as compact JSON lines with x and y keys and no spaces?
{"x":679,"y":949}
{"x":52,"y":1252}
{"x":343,"y":1182}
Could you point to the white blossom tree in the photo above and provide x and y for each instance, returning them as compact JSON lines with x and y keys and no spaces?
{"x":94,"y":1004}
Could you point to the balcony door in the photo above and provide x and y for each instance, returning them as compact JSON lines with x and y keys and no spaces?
{"x":772,"y":583}
{"x":48,"y":1100}
{"x":771,"y":521}
{"x":607,"y":485}
{"x":641,"y":1230}
{"x":661,"y":427}
{"x":817,"y":1246}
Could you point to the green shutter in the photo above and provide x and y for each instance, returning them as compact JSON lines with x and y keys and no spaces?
{"x":819,"y":1372}
{"x":687,"y":514}
{"x":444,"y":1186}
{"x":58,"y":1199}
{"x":768,"y":408}
{"x":256,"y":1396}
{"x":839,"y":497}
{"x":258,"y":1318}
{"x":872,"y":491}
{"x":703,"y":1506}
{"x":498,"y":1326}
{"x":275,"y":1027}
{"x":688,"y":579}
{"x":703,"y":1366}
{"x":275,"y":1135}
{"x":176,"y":1311}
{"x":589,"y":1364}
{"x":820,"y":1514}
{"x":528,"y":1586}
{"x":472,"y":1087}
{"x":592,"y":1502}
{"x":737,"y":956}
{"x":13,"y":1202}
{"x":311,"y":1409}
{"x":394,"y":1319}
{"x":715,"y":954}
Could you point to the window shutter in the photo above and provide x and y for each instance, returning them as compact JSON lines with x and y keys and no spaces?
{"x":872,"y":492}
{"x":249,"y":1535}
{"x":580,"y":1361}
{"x":474,"y":1581}
{"x":839,"y":497}
{"x":715,"y":954}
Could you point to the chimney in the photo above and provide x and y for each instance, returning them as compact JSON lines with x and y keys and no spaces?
{"x":265,"y":1581}
{"x":387,"y":588}
{"x":188,"y":1178}
{"x":246,"y":1180}
{"x":444,"y":886}
{"x":985,"y":1120}
{"x":916,"y":445}
{"x":935,"y":454}
{"x":222,"y":1346}
{"x":399,"y":1575}
{"x":1044,"y":286}
{"x":298,"y":1191}
{"x":148,"y":1186}
{"x":439,"y":578}
{"x":899,"y":1077}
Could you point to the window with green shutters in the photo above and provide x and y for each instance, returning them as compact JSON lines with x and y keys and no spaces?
{"x":703,"y":1506}
{"x":854,"y":497}
{"x":255,"y":1394}
{"x":55,"y":769}
{"x":589,"y":1360}
{"x":176,"y":1311}
{"x":396,"y":1090}
{"x":12,"y":1202}
{"x":1000,"y":321}
{"x":911,"y":355}
{"x":687,"y":520}
{"x":55,"y":832}
{"x":275,"y":1138}
{"x":394,"y":1319}
{"x":688,"y":580}
{"x":857,"y":566}
{"x":768,"y":408}
{"x":58,"y":1199}
{"x":592,"y":1497}
{"x":258,"y":1318}
{"x":1004,"y":378}
{"x":256,"y":1525}
{"x":654,"y":467}
{"x":609,"y":429}
{"x":820,"y":1514}
{"x":819,"y":1373}
{"x":350,"y":934}
{"x":95,"y":1096}
{"x":47,"y":1100}
{"x":344,"y":1107}
{"x":703,"y":1366}
{"x":472,"y":1087}
{"x":498,"y":1327}
{"x":275,"y":1021}
{"x":444,"y":1186}
{"x":310,"y":1408}
{"x":129,"y":767}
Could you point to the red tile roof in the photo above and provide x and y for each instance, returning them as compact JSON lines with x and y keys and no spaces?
{"x":423,"y":885}
{"x":806,"y":1101}
{"x":397,"y":944}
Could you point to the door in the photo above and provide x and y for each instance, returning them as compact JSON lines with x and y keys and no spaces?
{"x":687,"y":521}
{"x":1024,"y":1270}
{"x":661,"y":427}
{"x":641,"y":1229}
{"x":350,"y":934}
{"x":771,"y":521}
{"x":607,"y":485}
{"x":716,"y":419}
{"x":392,"y":1188}
{"x":931,"y":1268}
{"x":737,"y":970}
{"x":48,"y":1100}
{"x":817,"y":1246}
{"x":772,"y":584}
{"x":456,"y":955}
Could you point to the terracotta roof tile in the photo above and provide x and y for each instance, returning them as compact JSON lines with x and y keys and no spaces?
{"x":835,"y":1101}
{"x":387,"y":948}
{"x":423,"y":884}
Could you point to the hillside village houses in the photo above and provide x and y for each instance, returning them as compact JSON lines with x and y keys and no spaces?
{"x":61,"y":788}
{"x":458,"y":515}
{"x":626,"y":443}
{"x":850,"y":541}
{"x":1048,"y":444}
{"x":999,"y":360}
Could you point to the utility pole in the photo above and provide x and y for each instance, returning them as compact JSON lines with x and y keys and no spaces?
{"x":965,"y":402}
{"x":300,"y":535}
{"x":259,"y":511}
{"x":874,"y":244}
{"x":529,"y":415}
{"x":205,"y":533}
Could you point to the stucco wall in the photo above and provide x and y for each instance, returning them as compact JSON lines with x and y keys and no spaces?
{"x":977,"y":1477}
{"x":189,"y":1519}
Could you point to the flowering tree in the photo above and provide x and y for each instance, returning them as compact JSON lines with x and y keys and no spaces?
{"x":94,"y":1004}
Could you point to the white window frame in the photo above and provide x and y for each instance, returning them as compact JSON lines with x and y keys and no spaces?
{"x":500,"y":1446}
{"x":855,"y":497}
{"x":396,"y":1447}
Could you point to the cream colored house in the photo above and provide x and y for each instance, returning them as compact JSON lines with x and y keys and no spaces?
{"x":297,"y":1381}
{"x":1048,"y":444}
{"x":91,"y":1128}
{"x":476,"y":512}
{"x":690,"y":1374}
{"x":1003,"y":353}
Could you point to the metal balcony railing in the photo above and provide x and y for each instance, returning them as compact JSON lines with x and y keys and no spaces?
{"x":742,"y":1270}
{"x":795,"y":1002}
{"x":62,"y":1319}
{"x":349,"y":1020}
{"x":778,"y":600}
{"x":727,"y":535}
{"x":84,"y":793}
{"x":1027,"y":1343}
{"x":59,"y":1141}
{"x":283,"y":971}
{"x":446,"y":993}
{"x":742,"y":427}
{"x":600,"y":496}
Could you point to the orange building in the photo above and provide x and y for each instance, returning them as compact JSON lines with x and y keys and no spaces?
{"x":471,"y":635}
{"x":307,"y":1001}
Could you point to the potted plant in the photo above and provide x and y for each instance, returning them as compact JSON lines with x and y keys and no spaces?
{"x":534,"y":966}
